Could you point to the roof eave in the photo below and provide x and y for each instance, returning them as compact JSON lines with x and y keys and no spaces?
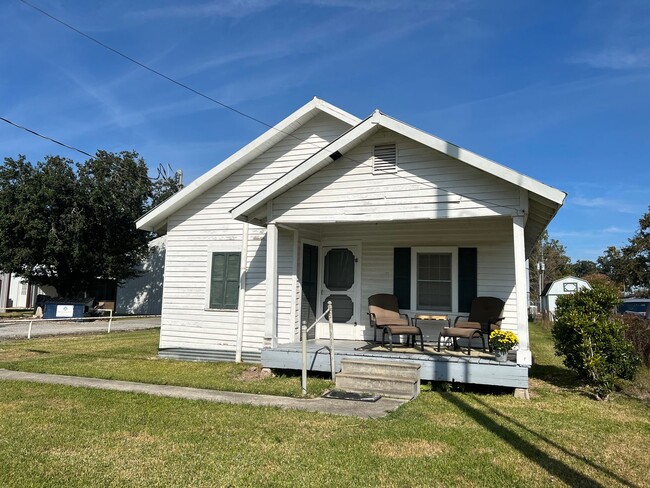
{"x":159,"y":214}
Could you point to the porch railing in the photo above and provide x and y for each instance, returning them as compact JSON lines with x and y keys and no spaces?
{"x":305,"y":330}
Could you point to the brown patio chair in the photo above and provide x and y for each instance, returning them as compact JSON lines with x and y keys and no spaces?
{"x":485,"y":315}
{"x":383,"y":311}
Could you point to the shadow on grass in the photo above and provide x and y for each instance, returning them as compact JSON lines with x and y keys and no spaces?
{"x":555,"y":375}
{"x":551,"y":465}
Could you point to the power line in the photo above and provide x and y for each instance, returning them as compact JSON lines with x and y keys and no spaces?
{"x":148,"y":68}
{"x":231,"y":108}
{"x":46,"y":137}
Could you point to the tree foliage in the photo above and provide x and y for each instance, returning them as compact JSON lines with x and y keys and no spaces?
{"x":592,"y":339}
{"x":584,"y":267}
{"x":66,"y":224}
{"x":630,"y":265}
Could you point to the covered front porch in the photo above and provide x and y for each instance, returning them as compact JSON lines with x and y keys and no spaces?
{"x":451,"y":366}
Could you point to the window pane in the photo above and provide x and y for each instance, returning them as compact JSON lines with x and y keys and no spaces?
{"x":434,"y":281}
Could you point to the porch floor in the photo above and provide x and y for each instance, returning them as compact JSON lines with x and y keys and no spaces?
{"x":447,"y":365}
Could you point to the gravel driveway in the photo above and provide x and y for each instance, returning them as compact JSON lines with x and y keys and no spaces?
{"x":11,"y":329}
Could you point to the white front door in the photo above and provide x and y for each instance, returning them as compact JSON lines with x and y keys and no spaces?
{"x":341,"y":284}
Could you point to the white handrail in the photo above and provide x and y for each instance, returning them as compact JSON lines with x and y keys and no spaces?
{"x":304,"y":330}
{"x":110,"y":318}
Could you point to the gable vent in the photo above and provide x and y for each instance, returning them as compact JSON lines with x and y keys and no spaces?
{"x":385,"y":159}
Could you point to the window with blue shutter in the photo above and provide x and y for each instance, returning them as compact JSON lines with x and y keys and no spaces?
{"x":224,"y":280}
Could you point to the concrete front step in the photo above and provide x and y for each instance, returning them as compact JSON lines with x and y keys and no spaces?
{"x":381,"y":368}
{"x":385,"y":386}
{"x":390,"y":379}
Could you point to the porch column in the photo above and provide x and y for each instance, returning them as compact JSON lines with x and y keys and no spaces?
{"x":271,"y":315}
{"x":521,"y":292}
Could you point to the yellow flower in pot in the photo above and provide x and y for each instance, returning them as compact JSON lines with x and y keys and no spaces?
{"x":502,"y":341}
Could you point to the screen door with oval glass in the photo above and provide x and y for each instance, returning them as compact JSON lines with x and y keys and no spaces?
{"x":341,"y":285}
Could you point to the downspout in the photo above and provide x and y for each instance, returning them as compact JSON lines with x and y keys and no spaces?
{"x":242,"y":295}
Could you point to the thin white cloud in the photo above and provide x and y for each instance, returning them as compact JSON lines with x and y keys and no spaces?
{"x":616,"y":59}
{"x":607,"y":203}
{"x":244,"y":8}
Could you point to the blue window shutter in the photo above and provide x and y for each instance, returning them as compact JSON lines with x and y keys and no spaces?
{"x":467,"y":277}
{"x":402,"y":276}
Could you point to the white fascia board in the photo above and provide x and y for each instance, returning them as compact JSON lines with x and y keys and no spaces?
{"x":305,"y":169}
{"x":156,"y":216}
{"x":479,"y":162}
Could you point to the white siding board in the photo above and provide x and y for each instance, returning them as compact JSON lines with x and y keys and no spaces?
{"x":204,"y":223}
{"x":426,"y":184}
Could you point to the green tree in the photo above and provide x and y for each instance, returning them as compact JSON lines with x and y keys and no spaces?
{"x":66,"y":224}
{"x":584,"y":267}
{"x":616,"y":264}
{"x":638,"y":253}
{"x":556,"y":263}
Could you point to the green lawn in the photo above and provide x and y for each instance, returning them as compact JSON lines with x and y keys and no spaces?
{"x":63,"y":436}
{"x":133,"y":356}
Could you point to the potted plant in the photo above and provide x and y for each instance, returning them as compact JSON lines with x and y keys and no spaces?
{"x":502,"y":341}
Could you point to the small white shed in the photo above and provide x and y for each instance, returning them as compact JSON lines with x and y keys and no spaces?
{"x":563,"y":286}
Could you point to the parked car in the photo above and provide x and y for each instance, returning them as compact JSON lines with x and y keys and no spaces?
{"x":636,"y":306}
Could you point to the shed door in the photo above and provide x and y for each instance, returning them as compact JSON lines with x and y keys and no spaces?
{"x":341,"y":285}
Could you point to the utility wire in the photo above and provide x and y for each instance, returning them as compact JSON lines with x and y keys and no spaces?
{"x":233,"y":109}
{"x":148,"y":68}
{"x":46,"y":137}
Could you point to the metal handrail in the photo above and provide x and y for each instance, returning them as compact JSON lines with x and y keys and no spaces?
{"x":304,"y":330}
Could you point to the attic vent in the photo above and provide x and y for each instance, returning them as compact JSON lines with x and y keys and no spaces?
{"x":385,"y":159}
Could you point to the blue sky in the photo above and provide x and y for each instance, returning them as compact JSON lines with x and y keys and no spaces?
{"x":557,"y":90}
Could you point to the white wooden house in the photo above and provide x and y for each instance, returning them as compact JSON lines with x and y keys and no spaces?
{"x":563,"y":286}
{"x":325,"y":206}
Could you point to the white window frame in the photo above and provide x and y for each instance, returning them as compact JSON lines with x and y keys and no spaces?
{"x":454,"y":277}
{"x":228,"y":246}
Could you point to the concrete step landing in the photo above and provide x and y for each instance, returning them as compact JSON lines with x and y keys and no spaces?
{"x":389,"y":379}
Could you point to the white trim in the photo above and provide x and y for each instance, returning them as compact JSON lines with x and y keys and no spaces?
{"x":454,"y":277}
{"x":363,"y":130}
{"x":305,"y":169}
{"x":523,"y":353}
{"x":241,"y":305}
{"x":156,"y":217}
{"x":271,"y":305}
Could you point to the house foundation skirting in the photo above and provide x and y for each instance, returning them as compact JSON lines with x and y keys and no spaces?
{"x":187,"y":354}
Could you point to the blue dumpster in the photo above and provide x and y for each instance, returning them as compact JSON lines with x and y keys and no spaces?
{"x":63,"y":309}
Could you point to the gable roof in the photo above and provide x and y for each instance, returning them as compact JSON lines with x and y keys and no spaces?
{"x":157,"y":216}
{"x":362,"y":131}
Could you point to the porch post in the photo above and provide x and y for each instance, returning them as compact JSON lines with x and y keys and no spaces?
{"x":271,"y":315}
{"x":521,"y":293}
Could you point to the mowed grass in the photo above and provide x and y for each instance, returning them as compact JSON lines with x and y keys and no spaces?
{"x":63,"y":436}
{"x":133,"y":356}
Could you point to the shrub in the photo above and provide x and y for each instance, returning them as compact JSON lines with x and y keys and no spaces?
{"x":637,"y":331}
{"x":592,"y":339}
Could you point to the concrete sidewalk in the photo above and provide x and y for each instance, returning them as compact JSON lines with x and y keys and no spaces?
{"x":323,"y":405}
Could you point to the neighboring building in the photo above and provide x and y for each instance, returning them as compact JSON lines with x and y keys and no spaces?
{"x":142,"y":295}
{"x":326,"y":206}
{"x":15,"y":292}
{"x":563,"y":286}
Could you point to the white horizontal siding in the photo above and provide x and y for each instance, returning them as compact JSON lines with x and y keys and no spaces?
{"x":491,"y":236}
{"x":427,"y":185}
{"x":205,"y":224}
